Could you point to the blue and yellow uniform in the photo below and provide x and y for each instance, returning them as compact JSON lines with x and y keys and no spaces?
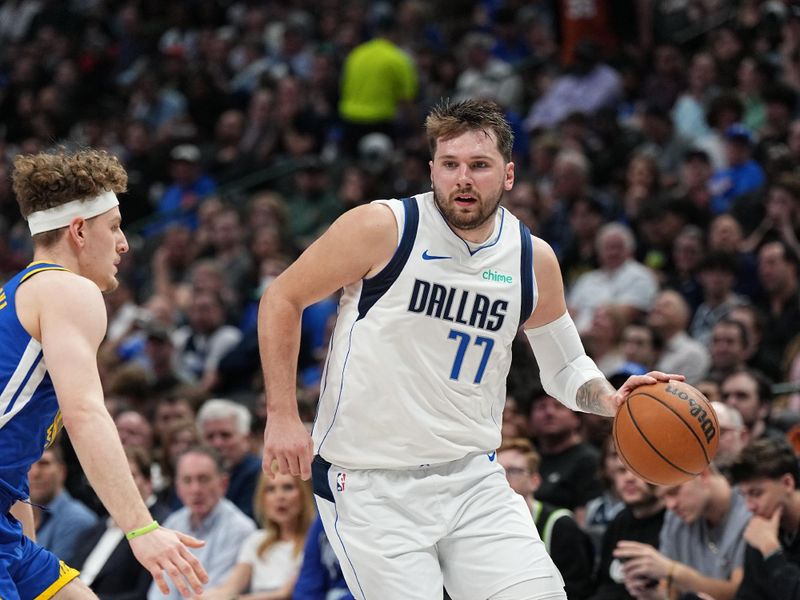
{"x":29,"y":421}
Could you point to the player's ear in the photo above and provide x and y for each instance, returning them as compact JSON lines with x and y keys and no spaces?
{"x":76,"y":231}
{"x":508,"y":182}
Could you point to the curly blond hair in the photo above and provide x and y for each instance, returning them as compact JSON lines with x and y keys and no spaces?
{"x":50,"y":179}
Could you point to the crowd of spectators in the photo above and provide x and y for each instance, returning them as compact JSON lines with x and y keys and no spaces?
{"x":657,"y":149}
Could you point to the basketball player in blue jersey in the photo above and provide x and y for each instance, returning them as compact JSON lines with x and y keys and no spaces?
{"x":435,"y":289}
{"x":52,"y":320}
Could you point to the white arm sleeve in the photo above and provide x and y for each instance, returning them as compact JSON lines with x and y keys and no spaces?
{"x":563,"y":364}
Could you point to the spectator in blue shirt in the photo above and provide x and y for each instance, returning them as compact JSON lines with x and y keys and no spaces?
{"x":321,"y":575}
{"x":64,"y":521}
{"x":190,"y":187}
{"x":742,"y":175}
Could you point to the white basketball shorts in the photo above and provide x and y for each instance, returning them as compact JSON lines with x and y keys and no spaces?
{"x":404,"y":534}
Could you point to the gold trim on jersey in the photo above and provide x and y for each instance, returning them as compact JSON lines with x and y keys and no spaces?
{"x":65,"y":575}
{"x":29,"y":274}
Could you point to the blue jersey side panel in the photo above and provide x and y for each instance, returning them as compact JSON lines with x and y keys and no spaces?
{"x":29,"y":414}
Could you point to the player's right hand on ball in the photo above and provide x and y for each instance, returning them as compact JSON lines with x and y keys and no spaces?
{"x":288,"y":444}
{"x":165,"y":552}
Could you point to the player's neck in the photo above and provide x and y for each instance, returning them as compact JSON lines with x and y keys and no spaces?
{"x":58,"y":256}
{"x":475,"y":238}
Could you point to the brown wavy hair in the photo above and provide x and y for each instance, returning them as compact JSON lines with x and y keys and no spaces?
{"x":50,"y":179}
{"x":448,"y":120}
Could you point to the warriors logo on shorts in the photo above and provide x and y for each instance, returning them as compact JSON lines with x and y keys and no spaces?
{"x":340,"y":478}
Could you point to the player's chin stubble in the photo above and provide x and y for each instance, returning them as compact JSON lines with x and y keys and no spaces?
{"x":464,"y":221}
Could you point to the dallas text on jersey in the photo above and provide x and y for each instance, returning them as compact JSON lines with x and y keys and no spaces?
{"x":458,"y":306}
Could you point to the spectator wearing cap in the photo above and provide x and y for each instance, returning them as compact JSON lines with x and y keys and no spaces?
{"x":190,"y":186}
{"x":717,"y":274}
{"x":741,"y":176}
{"x":379,"y":80}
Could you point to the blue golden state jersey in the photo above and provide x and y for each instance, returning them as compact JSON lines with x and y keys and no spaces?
{"x":29,"y":413}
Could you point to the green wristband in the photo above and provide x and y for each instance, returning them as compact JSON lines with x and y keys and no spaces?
{"x":142,"y":530}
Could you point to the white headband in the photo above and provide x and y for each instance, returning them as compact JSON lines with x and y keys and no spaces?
{"x":61,"y":216}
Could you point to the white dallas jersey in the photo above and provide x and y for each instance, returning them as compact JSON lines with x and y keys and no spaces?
{"x":417,"y":366}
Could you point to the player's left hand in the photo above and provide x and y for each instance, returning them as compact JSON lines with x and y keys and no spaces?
{"x":635,"y":381}
{"x":165,"y":553}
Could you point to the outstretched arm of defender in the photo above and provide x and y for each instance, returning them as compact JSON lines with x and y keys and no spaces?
{"x":72,"y":322}
{"x":357,"y":245}
{"x":567,"y":373}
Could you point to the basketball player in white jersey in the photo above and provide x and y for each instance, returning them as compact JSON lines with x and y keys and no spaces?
{"x":435,"y":289}
{"x":52,"y":320}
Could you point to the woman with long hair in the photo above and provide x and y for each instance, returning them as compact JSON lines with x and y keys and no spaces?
{"x":270,"y":558}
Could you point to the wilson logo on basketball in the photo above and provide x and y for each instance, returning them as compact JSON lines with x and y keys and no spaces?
{"x":697,"y":411}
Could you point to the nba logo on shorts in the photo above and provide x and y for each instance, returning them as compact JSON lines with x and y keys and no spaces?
{"x":340,"y":477}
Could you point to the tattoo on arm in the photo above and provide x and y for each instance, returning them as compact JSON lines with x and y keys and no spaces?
{"x":591,"y":397}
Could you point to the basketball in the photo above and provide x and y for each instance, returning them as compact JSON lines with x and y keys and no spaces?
{"x":666,"y":433}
